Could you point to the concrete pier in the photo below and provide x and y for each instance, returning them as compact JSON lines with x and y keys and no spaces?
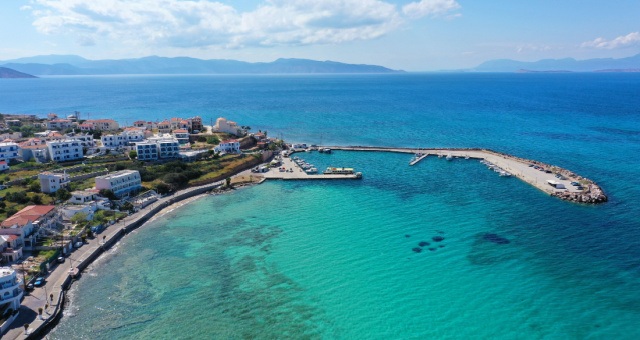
{"x":299,"y":173}
{"x":415,"y":161}
{"x":518,"y":167}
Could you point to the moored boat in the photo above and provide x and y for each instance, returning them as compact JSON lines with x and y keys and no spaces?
{"x":339,"y":171}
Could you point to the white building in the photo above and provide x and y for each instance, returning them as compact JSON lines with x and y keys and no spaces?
{"x":99,"y":124}
{"x":24,"y":221}
{"x":10,"y":295}
{"x":85,"y":139}
{"x":126,"y":137}
{"x":147,"y":151}
{"x":113,"y":141}
{"x":160,"y":147}
{"x":89,"y":198}
{"x":8,"y":151}
{"x":68,"y":211}
{"x":65,"y":150}
{"x":181,"y":135}
{"x":52,"y":181}
{"x":10,"y":247}
{"x":227,"y":126}
{"x":59,"y":124}
{"x":4,"y":166}
{"x":228,"y":146}
{"x":120,"y":182}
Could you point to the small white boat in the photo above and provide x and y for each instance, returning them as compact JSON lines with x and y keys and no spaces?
{"x":505,"y":174}
{"x":311,"y":171}
{"x":449,"y":157}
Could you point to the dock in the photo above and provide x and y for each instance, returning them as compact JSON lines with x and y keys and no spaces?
{"x":536,"y":173}
{"x":416,"y":160}
{"x":299,"y":173}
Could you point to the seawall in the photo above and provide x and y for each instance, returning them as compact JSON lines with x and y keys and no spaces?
{"x":524,"y":169}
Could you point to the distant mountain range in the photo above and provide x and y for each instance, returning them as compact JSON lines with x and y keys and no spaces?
{"x":75,"y":65}
{"x":630,"y":64}
{"x":10,"y":73}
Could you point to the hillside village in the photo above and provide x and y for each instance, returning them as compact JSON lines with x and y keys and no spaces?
{"x":63,"y":180}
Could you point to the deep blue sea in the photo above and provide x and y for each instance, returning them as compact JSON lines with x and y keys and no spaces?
{"x":334,"y":259}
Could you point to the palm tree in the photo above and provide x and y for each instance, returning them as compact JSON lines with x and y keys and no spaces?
{"x":40,"y":312}
{"x":26,"y":327}
{"x":51,"y":297}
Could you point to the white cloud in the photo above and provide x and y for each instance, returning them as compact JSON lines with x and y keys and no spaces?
{"x":424,"y":8}
{"x":208,"y":23}
{"x":631,"y":39}
{"x":532,"y":47}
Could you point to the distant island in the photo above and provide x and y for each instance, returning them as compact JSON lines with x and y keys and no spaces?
{"x":75,"y":65}
{"x":11,"y":73}
{"x":629,"y":64}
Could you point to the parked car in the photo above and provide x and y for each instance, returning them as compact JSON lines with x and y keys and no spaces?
{"x":39,"y":282}
{"x":78,"y":244}
{"x":61,"y":259}
{"x":30,"y":286}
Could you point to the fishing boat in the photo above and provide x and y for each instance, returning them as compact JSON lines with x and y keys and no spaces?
{"x":449,"y":157}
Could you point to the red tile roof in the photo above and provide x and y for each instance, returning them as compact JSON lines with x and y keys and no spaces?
{"x":180,"y":131}
{"x":28,"y":214}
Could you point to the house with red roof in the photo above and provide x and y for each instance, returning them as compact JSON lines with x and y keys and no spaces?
{"x":23,"y":223}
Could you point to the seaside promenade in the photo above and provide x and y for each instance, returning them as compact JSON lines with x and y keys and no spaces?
{"x":59,"y":277}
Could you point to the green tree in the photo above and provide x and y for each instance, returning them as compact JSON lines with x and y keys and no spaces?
{"x":79,"y":218}
{"x":162,"y":188}
{"x":127,"y":206}
{"x":19,"y":197}
{"x":202,"y":139}
{"x":36,"y":199}
{"x":34,"y":186}
{"x":133,"y":154}
{"x":108,"y":194}
{"x":62,"y":194}
{"x":213,"y":140}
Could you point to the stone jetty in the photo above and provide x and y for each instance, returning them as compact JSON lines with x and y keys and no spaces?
{"x":534,"y":172}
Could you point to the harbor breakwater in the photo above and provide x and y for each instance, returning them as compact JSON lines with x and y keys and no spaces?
{"x":534,"y":172}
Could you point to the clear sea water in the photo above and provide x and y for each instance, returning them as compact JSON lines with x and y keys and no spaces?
{"x":334,"y":259}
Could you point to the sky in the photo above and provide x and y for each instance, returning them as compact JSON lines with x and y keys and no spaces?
{"x":412,"y":35}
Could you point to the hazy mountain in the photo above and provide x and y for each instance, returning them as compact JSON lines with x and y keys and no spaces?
{"x":562,"y":65}
{"x":74,"y":65}
{"x":10,"y":73}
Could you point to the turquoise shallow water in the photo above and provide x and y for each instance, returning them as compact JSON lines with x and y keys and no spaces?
{"x":332,"y":259}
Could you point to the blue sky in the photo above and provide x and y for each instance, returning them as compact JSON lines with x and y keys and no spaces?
{"x":418,"y":35}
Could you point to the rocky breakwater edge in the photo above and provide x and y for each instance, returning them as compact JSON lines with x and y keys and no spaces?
{"x":592,"y":193}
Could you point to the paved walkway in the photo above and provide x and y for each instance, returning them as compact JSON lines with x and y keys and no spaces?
{"x":517,"y":167}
